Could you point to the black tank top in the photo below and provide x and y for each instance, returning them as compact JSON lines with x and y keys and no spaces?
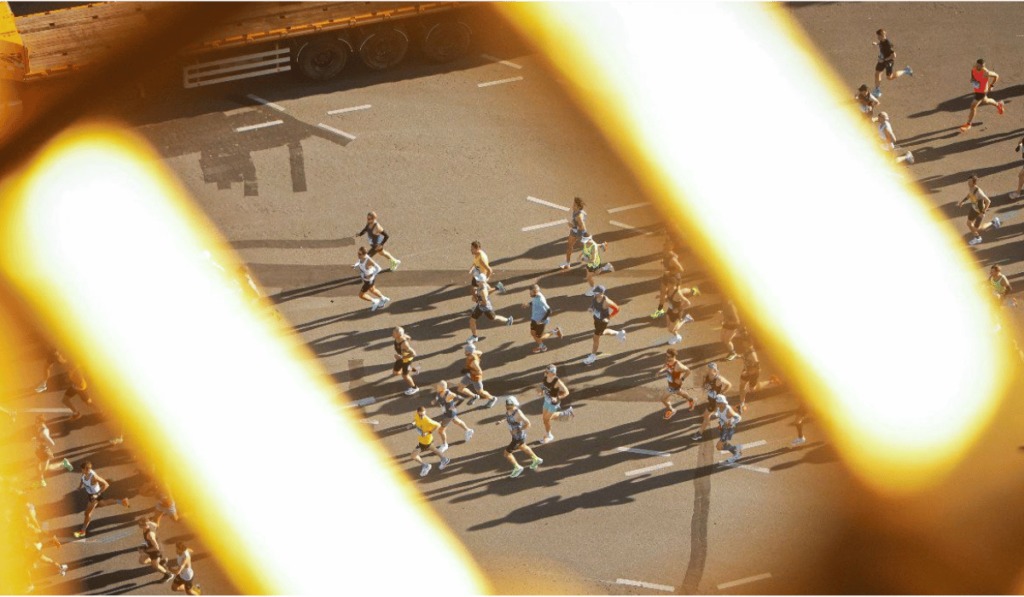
{"x":150,"y":544}
{"x":550,"y":386}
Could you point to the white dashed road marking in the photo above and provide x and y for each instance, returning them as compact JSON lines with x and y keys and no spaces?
{"x":747,"y":446}
{"x":646,"y":452}
{"x":647,"y":469}
{"x":501,"y":82}
{"x":55,"y":411}
{"x":616,"y":210}
{"x":547,"y":225}
{"x":266,"y":103}
{"x":262,"y":125}
{"x":743,"y":581}
{"x":747,"y":467}
{"x":547,"y":203}
{"x":500,"y":61}
{"x":626,"y":226}
{"x":363,"y":402}
{"x":353,"y":109}
{"x":336,"y":131}
{"x":646,"y":585}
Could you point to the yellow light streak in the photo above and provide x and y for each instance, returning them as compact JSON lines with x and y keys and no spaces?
{"x":291,"y":496}
{"x":725,"y":114}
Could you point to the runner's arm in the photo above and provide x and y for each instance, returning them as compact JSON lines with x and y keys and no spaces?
{"x":1006,"y":285}
{"x":365,"y":230}
{"x":563,"y":391}
{"x":993,"y":77}
{"x":726,"y":385}
{"x":522,"y":417}
{"x":103,"y":483}
{"x":408,"y":346}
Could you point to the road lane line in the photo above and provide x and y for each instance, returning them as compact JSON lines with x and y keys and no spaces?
{"x":261,"y":125}
{"x":56,"y":411}
{"x":501,"y":82}
{"x":647,"y":469}
{"x":616,"y":210}
{"x":756,"y":469}
{"x":370,"y":421}
{"x":363,"y":402}
{"x":647,"y":452}
{"x":500,"y":61}
{"x":547,"y":225}
{"x":352,"y":109}
{"x":745,"y":446}
{"x":547,"y":203}
{"x":266,"y":103}
{"x":627,"y":226}
{"x":336,"y":131}
{"x":743,"y":581}
{"x":645,"y":585}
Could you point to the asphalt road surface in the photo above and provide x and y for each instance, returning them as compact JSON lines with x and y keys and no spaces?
{"x":625,"y":502}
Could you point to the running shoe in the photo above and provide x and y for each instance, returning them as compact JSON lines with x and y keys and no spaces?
{"x":473,"y":399}
{"x":547,"y":439}
{"x":41,"y":388}
{"x":1000,"y":107}
{"x":540,"y":348}
{"x":570,"y":413}
{"x":63,"y":569}
{"x":469,"y":435}
{"x":444,"y":463}
{"x":54,"y":541}
{"x":395,"y":264}
{"x":564,"y":265}
{"x":688,"y":318}
{"x":731,"y":356}
{"x":697,"y":436}
{"x":116,"y":441}
{"x":500,"y":287}
{"x":442,"y":448}
{"x":67,"y":465}
{"x":558,"y":332}
{"x":798,"y":441}
{"x":668,"y":414}
{"x":621,"y":335}
{"x":996,"y":222}
{"x":167,"y":578}
{"x":589,"y":292}
{"x":658,"y":313}
{"x":608,"y":268}
{"x":536,"y":462}
{"x":909,"y":158}
{"x":965,"y":128}
{"x":510,"y":320}
{"x":411,"y":391}
{"x":974,"y":241}
{"x":675,"y":339}
{"x":79,"y":534}
{"x":425,"y":469}
{"x":908,"y":71}
{"x":374,"y":305}
{"x":473,"y":339}
{"x":492,"y":402}
{"x":516,"y":472}
{"x":734,"y":458}
{"x":1013,"y":195}
{"x":877,"y":92}
{"x":590,"y":359}
{"x":384,"y":302}
{"x":124,"y":502}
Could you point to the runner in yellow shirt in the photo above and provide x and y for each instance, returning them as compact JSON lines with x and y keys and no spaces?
{"x":426,"y":426}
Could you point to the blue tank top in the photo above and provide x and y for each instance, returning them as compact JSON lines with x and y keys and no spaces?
{"x":600,"y":312}
{"x":446,"y":404}
{"x":515,"y":426}
{"x":375,"y":239}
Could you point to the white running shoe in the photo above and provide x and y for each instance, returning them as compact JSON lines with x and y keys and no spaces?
{"x":564,"y":265}
{"x":590,"y":359}
{"x":375,"y":306}
{"x":63,"y":569}
{"x":510,"y":320}
{"x":547,"y":439}
{"x":569,"y":413}
{"x":425,"y":469}
{"x":688,"y":318}
{"x":735,"y":457}
{"x":996,"y":222}
{"x":621,"y":335}
{"x":675,"y":339}
{"x":411,"y":391}
{"x":589,"y":292}
{"x":383,"y":302}
{"x":41,"y":388}
{"x":974,"y":241}
{"x":608,"y":268}
{"x":909,"y":158}
{"x":1013,"y":195}
{"x":442,"y":448}
{"x":444,"y":463}
{"x":798,"y":441}
{"x":395,"y":264}
{"x":469,"y":435}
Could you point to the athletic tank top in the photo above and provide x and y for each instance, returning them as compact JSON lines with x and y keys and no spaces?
{"x":186,"y":572}
{"x":147,"y":534}
{"x":402,"y":353}
{"x":478,"y":295}
{"x":591,"y":254}
{"x":478,"y":260}
{"x":551,"y":387}
{"x":470,"y":359}
{"x":750,"y":362}
{"x":723,"y":416}
{"x":600,"y":312}
{"x":375,"y":239}
{"x":92,"y":486}
{"x":997,"y":284}
{"x":676,"y":374}
{"x":582,"y":215}
{"x":975,"y":200}
{"x":715,"y":383}
{"x":515,"y":426}
{"x":673,"y":303}
{"x":979,"y":81}
{"x":366,"y":270}
{"x":447,"y":401}
{"x":730,"y":315}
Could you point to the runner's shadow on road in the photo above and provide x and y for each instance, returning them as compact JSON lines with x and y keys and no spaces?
{"x":816,"y":453}
{"x":931,"y":154}
{"x":963,"y":103}
{"x":934,"y":183}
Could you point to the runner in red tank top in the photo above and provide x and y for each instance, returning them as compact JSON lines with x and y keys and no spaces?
{"x":982,"y":80}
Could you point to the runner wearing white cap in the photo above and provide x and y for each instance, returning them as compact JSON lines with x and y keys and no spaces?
{"x":517,"y":426}
{"x":553,"y":391}
{"x":727,"y":420}
{"x":603,"y":309}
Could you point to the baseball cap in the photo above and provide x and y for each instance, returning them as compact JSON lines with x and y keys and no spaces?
{"x":599,"y":289}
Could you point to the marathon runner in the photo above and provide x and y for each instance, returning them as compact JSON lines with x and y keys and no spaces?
{"x":77,"y":388}
{"x":52,"y":359}
{"x":449,"y":402}
{"x":44,"y":452}
{"x":425,"y":426}
{"x":727,"y":420}
{"x":482,"y":266}
{"x":472,"y":384}
{"x":540,"y":314}
{"x":730,"y":325}
{"x":149,"y":551}
{"x":979,"y":205}
{"x":714,"y":384}
{"x":404,"y":354}
{"x":677,"y":372}
{"x":751,"y":373}
{"x":577,"y":229}
{"x":94,"y":486}
{"x":368,"y":270}
{"x":801,"y":417}
{"x":866,"y":102}
{"x":1020,"y":175}
{"x":982,"y":81}
{"x":672,"y":276}
{"x":591,"y":258}
{"x":481,"y":297}
{"x":375,"y":233}
{"x":677,"y":304}
{"x":999,"y":284}
{"x":553,"y":391}
{"x":889,"y":139}
{"x":184,"y":577}
{"x":886,"y":61}
{"x":517,"y":426}
{"x":603,"y":309}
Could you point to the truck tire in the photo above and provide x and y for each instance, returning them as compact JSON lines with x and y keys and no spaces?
{"x":322,"y":59}
{"x":447,"y":41}
{"x":384,"y":48}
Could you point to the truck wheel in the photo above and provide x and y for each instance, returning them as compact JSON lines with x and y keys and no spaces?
{"x":447,"y":41}
{"x":384,"y":48}
{"x":322,"y":59}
